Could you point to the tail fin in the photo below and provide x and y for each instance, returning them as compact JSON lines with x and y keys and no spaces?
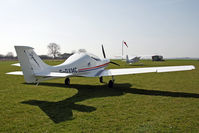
{"x":30,"y":63}
{"x":127,"y":59}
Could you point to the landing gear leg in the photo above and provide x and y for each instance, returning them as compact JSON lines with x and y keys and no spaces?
{"x":111,"y":82}
{"x":37,"y":84}
{"x":67,"y":81}
{"x":101,"y":80}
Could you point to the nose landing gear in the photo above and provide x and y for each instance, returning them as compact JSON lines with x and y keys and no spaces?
{"x":101,"y":80}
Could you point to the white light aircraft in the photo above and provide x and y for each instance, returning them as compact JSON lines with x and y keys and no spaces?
{"x":133,"y":60}
{"x":80,"y":64}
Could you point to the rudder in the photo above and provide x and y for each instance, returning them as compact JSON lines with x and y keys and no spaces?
{"x":30,"y":63}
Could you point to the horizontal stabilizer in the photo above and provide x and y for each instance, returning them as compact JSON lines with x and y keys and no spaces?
{"x":15,"y":73}
{"x":124,"y":71}
{"x":16,"y":64}
{"x":53,"y":74}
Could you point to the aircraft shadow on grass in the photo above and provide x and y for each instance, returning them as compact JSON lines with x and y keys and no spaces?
{"x":62,"y":110}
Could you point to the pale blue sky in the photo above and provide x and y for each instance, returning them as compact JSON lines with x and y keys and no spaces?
{"x":167,"y":27}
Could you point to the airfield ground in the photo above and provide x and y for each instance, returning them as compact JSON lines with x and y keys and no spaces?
{"x":153,"y":102}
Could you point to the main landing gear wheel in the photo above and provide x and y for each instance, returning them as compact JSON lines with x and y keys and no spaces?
{"x":67,"y":81}
{"x":111,"y":82}
{"x":101,"y":80}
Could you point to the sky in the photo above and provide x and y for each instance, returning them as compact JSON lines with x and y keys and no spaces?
{"x":166,"y":27}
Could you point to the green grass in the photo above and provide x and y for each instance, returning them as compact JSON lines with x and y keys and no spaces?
{"x":153,"y":102}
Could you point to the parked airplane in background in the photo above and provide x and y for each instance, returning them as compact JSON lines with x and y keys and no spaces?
{"x":133,"y":60}
{"x":80,"y":64}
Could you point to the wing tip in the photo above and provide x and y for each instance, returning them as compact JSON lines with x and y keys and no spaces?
{"x":193,"y":67}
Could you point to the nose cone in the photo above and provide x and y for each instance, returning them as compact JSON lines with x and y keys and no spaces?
{"x":106,"y":60}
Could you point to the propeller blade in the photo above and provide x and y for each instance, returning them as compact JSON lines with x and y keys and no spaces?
{"x":105,"y":56}
{"x":114,"y":63}
{"x":103,"y":52}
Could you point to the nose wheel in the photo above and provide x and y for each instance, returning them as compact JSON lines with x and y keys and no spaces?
{"x":101,"y":80}
{"x":67,"y":81}
{"x":110,"y":83}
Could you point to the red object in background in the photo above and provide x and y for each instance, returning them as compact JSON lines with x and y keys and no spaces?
{"x":125,"y":44}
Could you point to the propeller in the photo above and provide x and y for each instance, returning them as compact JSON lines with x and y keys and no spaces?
{"x":103,"y":52}
{"x":114,"y":63}
{"x":105,"y":56}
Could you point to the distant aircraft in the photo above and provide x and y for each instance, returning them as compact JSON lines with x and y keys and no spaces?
{"x":133,"y":60}
{"x":80,"y":64}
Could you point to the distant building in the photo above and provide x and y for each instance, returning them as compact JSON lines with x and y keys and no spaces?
{"x":157,"y":58}
{"x":45,"y":57}
{"x":64,"y":55}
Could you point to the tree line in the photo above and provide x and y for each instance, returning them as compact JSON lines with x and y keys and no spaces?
{"x":53,"y":53}
{"x":8,"y":56}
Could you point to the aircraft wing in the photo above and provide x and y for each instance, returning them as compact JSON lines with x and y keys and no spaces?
{"x":51,"y":74}
{"x":124,"y":71}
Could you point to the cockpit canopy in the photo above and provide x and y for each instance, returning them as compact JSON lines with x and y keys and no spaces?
{"x":94,"y":57}
{"x":79,"y":55}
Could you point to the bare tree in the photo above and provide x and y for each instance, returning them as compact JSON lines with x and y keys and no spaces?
{"x":10,"y":54}
{"x":53,"y":49}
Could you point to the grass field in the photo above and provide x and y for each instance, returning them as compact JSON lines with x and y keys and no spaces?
{"x":153,"y":102}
